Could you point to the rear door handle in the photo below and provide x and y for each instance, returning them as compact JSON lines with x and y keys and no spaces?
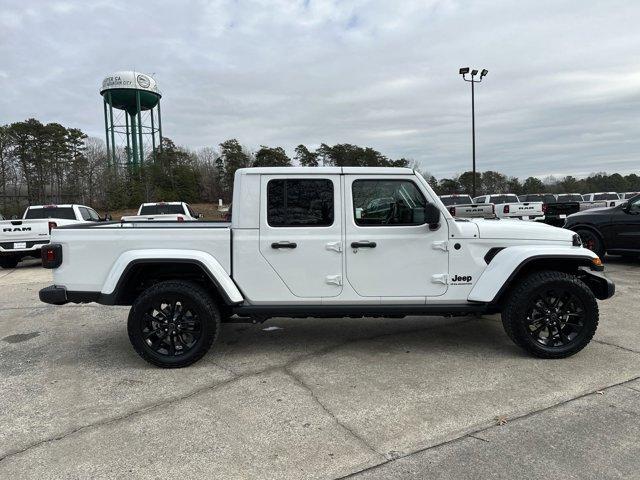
{"x":363,"y":244}
{"x":284,"y":245}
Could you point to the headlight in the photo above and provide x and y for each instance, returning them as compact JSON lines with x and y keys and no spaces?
{"x":577,"y":241}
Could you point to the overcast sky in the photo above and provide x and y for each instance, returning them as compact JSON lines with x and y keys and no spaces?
{"x":562,"y":95}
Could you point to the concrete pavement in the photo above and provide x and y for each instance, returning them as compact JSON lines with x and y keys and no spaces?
{"x":315,"y":398}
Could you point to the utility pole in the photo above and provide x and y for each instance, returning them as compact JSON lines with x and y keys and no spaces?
{"x":464,"y":72}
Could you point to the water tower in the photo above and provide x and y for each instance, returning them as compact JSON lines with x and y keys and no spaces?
{"x":132,"y":114}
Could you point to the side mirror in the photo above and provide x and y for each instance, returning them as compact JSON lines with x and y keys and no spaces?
{"x":432,"y":216}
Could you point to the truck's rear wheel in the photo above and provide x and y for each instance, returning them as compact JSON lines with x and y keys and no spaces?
{"x":551,"y":314}
{"x":173,"y":324}
{"x":9,"y":262}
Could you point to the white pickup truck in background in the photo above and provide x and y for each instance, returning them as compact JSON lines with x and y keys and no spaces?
{"x":163,"y":211}
{"x":329,"y":242}
{"x":508,"y":205}
{"x":25,"y":237}
{"x":601,"y":199}
{"x":463,"y":207}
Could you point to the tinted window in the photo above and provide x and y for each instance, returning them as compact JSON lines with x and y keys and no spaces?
{"x":460,"y":200}
{"x":65,"y":213}
{"x":575,"y":197}
{"x":503,"y":199}
{"x":634,"y":207}
{"x":606,"y":196}
{"x":297,"y":203}
{"x":531,"y":198}
{"x":161,"y":209}
{"x":387,"y":202}
{"x":630,"y":195}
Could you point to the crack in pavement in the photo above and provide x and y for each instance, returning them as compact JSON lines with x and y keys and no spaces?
{"x":210,"y":387}
{"x":473,"y":434}
{"x":345,"y":427}
{"x":616,"y":346}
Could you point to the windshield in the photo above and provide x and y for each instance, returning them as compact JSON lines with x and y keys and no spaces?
{"x":630,"y":195}
{"x":569,"y":197}
{"x":503,"y":199}
{"x":161,"y":209}
{"x":457,"y":200}
{"x":65,"y":213}
{"x":606,"y":196}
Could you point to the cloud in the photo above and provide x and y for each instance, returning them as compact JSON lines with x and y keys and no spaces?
{"x":562,"y":94}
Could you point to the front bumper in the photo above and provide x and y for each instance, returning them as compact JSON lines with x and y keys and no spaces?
{"x":600,"y":285}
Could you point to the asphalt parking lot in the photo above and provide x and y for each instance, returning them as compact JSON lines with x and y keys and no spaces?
{"x":420,"y":397}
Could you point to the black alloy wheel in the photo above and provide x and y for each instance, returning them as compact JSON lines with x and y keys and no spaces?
{"x":173,"y":323}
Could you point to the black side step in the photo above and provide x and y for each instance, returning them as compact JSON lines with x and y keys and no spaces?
{"x":302,"y":311}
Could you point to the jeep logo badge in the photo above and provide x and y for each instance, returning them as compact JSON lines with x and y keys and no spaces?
{"x":459,"y":280}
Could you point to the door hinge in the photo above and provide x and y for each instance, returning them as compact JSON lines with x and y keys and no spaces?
{"x":334,"y":279}
{"x":335,"y":246}
{"x":439,"y":278}
{"x":441,"y":245}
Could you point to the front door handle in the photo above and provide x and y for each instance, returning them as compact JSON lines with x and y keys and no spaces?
{"x":363,"y":244}
{"x":284,"y":245}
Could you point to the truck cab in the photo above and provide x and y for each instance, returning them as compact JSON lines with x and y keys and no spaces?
{"x":329,"y":241}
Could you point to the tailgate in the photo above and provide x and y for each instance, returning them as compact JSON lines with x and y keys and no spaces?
{"x":21,"y":230}
{"x":558,"y":209}
{"x":525,"y":209}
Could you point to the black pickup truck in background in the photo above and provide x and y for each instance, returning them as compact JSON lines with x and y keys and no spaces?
{"x":555,"y":209}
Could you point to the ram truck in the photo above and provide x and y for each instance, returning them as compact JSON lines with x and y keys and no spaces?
{"x":25,"y":237}
{"x":462,"y":206}
{"x":314,"y":242}
{"x":601,"y":199}
{"x":507,"y":205}
{"x":149,"y":212}
{"x":555,"y":211}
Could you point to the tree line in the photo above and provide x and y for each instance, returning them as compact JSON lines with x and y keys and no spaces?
{"x":50,"y":163}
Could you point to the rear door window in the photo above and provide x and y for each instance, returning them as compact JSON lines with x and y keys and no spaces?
{"x":300,"y":203}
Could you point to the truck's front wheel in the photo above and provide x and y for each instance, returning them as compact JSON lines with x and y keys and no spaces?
{"x":173,"y":324}
{"x":551,"y":314}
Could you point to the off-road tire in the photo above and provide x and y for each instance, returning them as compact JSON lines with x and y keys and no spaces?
{"x":197,"y":298}
{"x":592,"y":241}
{"x":518,"y":301}
{"x":9,"y":262}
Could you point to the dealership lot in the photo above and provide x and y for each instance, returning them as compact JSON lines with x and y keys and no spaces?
{"x":312,"y":398}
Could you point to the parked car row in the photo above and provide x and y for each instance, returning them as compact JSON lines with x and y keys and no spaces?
{"x":20,"y":238}
{"x":546,"y":207}
{"x":24,"y":237}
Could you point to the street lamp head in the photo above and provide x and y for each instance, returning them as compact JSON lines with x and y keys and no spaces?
{"x":483,"y":72}
{"x":464,"y":70}
{"x":474,"y":73}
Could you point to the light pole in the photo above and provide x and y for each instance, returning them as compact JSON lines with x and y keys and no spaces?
{"x":464,"y":71}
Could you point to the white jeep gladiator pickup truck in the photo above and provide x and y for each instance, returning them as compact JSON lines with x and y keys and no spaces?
{"x":462,"y":206}
{"x":25,"y":237}
{"x":508,"y":205}
{"x":328,"y":242}
{"x":149,"y":212}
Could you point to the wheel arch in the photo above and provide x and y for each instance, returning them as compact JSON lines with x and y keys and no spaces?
{"x":130,"y":276}
{"x":514,"y":263}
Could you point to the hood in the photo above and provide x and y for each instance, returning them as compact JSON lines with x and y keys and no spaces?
{"x":593,"y":211}
{"x":521,"y":230}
